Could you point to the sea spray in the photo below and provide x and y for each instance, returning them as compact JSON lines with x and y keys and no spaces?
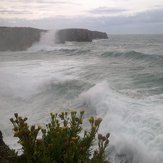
{"x":46,"y":43}
{"x":133,"y":129}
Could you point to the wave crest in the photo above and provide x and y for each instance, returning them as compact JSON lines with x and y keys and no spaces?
{"x":131,"y":55}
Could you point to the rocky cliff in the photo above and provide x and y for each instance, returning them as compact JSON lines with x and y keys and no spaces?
{"x":80,"y":35}
{"x":18,"y":38}
{"x":21,"y":38}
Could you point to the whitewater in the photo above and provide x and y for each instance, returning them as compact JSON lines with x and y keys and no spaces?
{"x":119,"y":80}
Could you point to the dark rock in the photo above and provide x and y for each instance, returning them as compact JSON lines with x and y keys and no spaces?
{"x":22,"y":38}
{"x":98,"y":35}
{"x":1,"y":140}
{"x":6,"y":154}
{"x":79,"y":35}
{"x":18,"y":38}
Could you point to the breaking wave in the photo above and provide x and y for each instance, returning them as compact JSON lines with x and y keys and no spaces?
{"x":136,"y":136}
{"x":46,"y":43}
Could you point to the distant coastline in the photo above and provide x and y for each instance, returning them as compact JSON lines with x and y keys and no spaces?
{"x":21,"y":38}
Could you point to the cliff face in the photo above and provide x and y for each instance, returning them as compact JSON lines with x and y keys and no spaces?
{"x":21,"y":38}
{"x":18,"y":38}
{"x":98,"y":35}
{"x":80,"y":35}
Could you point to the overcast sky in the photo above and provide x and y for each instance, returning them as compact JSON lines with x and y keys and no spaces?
{"x":112,"y":16}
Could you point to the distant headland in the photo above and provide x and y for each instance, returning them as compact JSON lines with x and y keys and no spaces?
{"x":21,"y":38}
{"x":79,"y":35}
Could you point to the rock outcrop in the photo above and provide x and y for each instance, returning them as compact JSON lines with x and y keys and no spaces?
{"x":18,"y":38}
{"x":79,"y":35}
{"x":21,"y":38}
{"x":6,"y":154}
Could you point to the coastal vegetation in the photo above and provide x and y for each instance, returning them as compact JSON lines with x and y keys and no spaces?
{"x":62,"y":140}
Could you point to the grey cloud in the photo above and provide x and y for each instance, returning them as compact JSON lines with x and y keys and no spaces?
{"x":55,"y":2}
{"x":43,"y":2}
{"x":150,"y":21}
{"x":14,"y":12}
{"x":150,"y":16}
{"x":26,"y":7}
{"x":107,"y":10}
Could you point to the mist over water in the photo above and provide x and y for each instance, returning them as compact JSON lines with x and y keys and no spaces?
{"x":120,"y":80}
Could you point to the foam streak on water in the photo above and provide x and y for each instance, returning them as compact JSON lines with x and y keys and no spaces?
{"x":120,"y":80}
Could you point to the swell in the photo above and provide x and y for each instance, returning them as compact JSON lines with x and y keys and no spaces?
{"x":152,"y":81}
{"x":67,"y":88}
{"x":133,"y":55}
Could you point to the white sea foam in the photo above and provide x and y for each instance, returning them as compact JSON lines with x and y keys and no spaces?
{"x":26,"y":78}
{"x":46,"y":43}
{"x":135,"y":126}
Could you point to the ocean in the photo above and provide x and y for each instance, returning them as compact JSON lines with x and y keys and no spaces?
{"x":119,"y":80}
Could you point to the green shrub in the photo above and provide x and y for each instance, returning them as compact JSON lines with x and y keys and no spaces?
{"x":61,"y":141}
